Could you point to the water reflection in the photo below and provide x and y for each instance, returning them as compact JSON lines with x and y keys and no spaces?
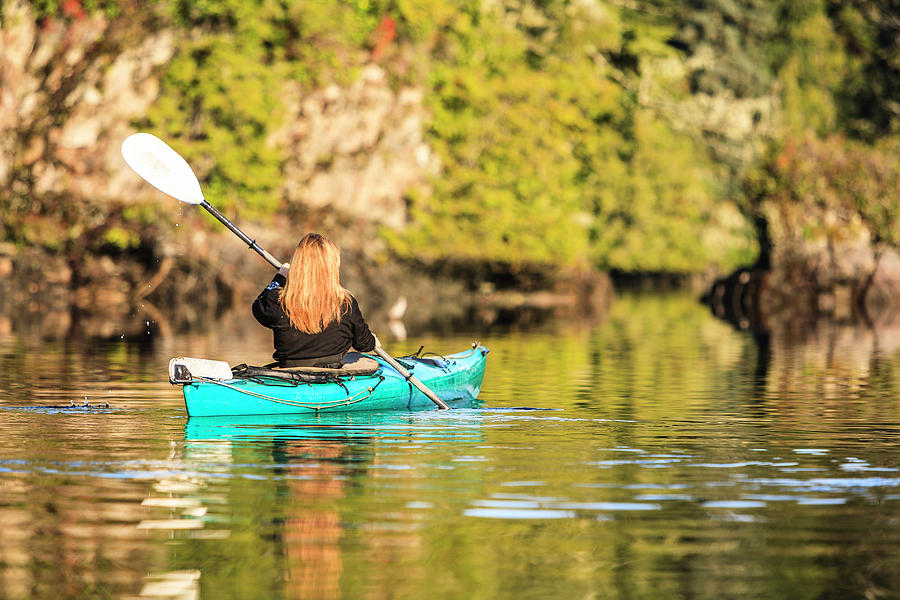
{"x":391,"y":427}
{"x":674,"y":457}
{"x":278,"y":485}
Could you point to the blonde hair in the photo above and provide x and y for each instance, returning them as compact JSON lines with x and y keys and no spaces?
{"x":313,"y":297}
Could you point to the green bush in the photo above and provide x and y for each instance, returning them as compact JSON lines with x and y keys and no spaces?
{"x":548,"y":157}
{"x":850,"y":179}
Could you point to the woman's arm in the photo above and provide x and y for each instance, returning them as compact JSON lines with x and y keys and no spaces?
{"x":266,"y":308}
{"x":363,"y":339}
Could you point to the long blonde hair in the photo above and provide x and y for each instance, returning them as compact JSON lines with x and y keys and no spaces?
{"x":313,"y":296}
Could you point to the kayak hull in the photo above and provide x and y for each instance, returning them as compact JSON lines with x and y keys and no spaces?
{"x":455,"y":378}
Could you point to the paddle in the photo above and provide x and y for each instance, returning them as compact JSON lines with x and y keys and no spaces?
{"x":167,"y":171}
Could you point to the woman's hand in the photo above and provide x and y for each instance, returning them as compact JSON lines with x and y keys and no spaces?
{"x":284,"y":269}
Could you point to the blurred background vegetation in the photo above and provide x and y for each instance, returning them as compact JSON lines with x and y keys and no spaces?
{"x":627,"y":136}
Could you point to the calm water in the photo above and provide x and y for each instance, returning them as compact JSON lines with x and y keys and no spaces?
{"x":673,"y":457}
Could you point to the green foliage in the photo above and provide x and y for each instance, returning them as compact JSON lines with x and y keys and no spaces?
{"x":812,"y":75}
{"x":836,"y":62}
{"x":547,"y":156}
{"x":40,"y":230}
{"x":223,"y":92}
{"x":221,"y":97}
{"x":120,"y":238}
{"x":141,"y":214}
{"x":737,"y":34}
{"x":506,"y":193}
{"x":552,"y":150}
{"x":549,"y":159}
{"x":867,"y":98}
{"x":72,"y":9}
{"x":668,"y":219}
{"x":850,"y":179}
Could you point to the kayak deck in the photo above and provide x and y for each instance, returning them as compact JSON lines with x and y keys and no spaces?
{"x":456,"y":379}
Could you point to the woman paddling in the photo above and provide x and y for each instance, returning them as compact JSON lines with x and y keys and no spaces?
{"x":314,"y":320}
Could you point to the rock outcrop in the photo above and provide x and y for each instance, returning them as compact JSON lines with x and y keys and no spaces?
{"x":69,"y":95}
{"x":820,"y":256}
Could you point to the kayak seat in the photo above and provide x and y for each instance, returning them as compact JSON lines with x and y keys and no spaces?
{"x":355,"y":364}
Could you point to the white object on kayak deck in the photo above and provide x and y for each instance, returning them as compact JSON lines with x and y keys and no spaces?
{"x":197,"y":367}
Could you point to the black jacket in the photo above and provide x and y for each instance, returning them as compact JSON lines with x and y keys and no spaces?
{"x":291,"y":344}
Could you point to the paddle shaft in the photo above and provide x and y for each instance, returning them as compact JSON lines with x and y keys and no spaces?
{"x":277,"y":264}
{"x":410,"y":377}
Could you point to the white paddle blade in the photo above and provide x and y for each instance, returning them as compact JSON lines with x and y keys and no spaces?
{"x":161,"y":167}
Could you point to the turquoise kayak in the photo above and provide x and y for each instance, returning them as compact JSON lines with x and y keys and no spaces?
{"x":212,"y":389}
